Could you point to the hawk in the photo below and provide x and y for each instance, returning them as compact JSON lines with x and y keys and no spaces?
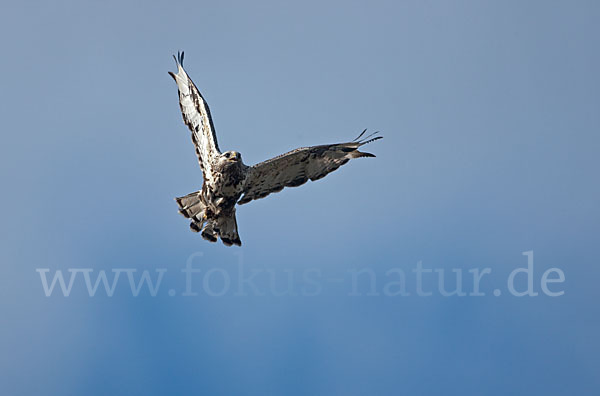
{"x":229,"y":182}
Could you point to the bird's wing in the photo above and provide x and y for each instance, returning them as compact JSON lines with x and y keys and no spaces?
{"x":298,"y":166}
{"x":196,"y":116}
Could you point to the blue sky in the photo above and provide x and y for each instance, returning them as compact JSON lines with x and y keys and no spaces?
{"x":490,"y":117}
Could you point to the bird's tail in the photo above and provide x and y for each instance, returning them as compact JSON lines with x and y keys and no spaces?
{"x":223,"y":226}
{"x":211,"y":227}
{"x":226,"y":226}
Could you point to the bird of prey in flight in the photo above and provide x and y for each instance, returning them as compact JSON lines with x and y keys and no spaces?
{"x":229,"y":182}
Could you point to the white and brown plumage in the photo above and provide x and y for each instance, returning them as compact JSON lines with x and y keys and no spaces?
{"x":228,"y":181}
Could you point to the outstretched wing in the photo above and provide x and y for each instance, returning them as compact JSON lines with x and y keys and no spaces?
{"x":298,"y":166}
{"x":196,"y":116}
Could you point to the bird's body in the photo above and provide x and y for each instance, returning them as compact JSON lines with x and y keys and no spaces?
{"x":214,"y":205}
{"x":228,"y":181}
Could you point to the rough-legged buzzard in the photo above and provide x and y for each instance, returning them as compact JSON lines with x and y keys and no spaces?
{"x":228,"y":181}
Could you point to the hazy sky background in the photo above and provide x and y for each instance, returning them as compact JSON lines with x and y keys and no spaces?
{"x":490,"y":112}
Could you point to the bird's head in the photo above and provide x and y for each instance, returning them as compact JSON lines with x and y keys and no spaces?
{"x":230,"y":157}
